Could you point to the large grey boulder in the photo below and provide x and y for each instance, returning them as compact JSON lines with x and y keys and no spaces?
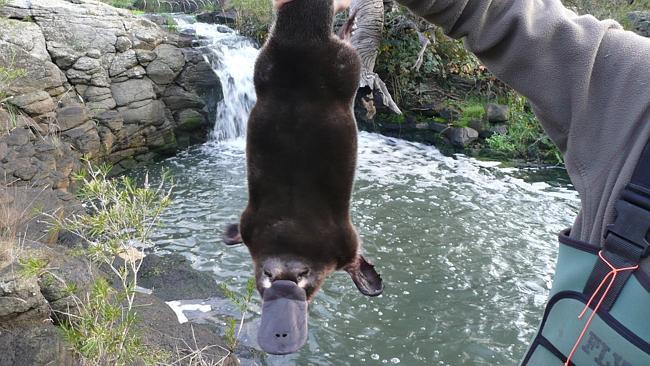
{"x":461,"y":136}
{"x":168,"y":64}
{"x":132,"y":91}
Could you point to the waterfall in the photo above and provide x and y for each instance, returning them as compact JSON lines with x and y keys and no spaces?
{"x":232,"y":57}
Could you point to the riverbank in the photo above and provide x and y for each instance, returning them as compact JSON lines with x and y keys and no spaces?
{"x":83,"y":81}
{"x":448,"y":98}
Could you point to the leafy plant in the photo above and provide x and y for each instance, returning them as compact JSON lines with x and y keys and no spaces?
{"x":242,"y":303}
{"x":525,"y":137}
{"x":121,"y":216}
{"x":7,"y":76}
{"x":253,"y":17}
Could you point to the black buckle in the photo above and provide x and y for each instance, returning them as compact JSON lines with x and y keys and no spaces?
{"x":629,"y":235}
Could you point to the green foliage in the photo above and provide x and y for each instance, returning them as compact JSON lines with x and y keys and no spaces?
{"x":609,"y":9}
{"x":124,"y":4}
{"x":525,"y":138}
{"x":170,"y":23}
{"x":253,"y":17}
{"x":470,"y":109}
{"x":242,"y":302}
{"x":7,"y":76}
{"x":32,"y":267}
{"x":399,"y":52}
{"x":121,"y":218}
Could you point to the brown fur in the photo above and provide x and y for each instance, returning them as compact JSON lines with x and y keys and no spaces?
{"x":301,"y":150}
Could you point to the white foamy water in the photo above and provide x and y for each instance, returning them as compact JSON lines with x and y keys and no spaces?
{"x":232,"y":57}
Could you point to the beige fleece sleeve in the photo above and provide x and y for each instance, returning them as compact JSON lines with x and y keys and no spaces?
{"x":588,"y":82}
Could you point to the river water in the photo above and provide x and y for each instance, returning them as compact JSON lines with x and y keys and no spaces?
{"x":466,"y":248}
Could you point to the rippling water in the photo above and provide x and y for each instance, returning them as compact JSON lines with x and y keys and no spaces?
{"x":466,"y":250}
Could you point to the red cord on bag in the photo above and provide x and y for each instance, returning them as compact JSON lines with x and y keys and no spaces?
{"x":611,"y":276}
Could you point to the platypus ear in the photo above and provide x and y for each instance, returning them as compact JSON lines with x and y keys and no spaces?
{"x":232,"y":236}
{"x":367,"y":280}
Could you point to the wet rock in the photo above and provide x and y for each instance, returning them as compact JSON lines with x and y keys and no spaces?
{"x":190,"y":120}
{"x":496,"y":113}
{"x":461,"y":136}
{"x":171,"y":277}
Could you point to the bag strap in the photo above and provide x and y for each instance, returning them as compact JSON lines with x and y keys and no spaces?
{"x":627,"y":240}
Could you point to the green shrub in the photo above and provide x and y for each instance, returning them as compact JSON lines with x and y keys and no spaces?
{"x":253,"y":17}
{"x":398,"y":54}
{"x":117,"y":227}
{"x":609,"y":9}
{"x":525,"y":138}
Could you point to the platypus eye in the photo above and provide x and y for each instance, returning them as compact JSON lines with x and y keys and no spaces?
{"x":268,"y":274}
{"x":303,"y":274}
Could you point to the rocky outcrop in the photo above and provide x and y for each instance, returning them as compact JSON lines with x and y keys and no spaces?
{"x":640,"y":21}
{"x":95,"y":81}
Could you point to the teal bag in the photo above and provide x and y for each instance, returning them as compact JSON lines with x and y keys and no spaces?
{"x":599,"y":307}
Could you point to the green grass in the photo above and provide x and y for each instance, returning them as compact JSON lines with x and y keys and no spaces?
{"x":525,"y":138}
{"x":609,"y":9}
{"x":470,"y":109}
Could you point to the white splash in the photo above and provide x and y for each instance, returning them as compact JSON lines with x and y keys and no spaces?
{"x":232,"y":57}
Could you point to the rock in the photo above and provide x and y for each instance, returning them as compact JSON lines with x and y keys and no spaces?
{"x":177,"y":98}
{"x":123,"y":44}
{"x":20,"y":296}
{"x":477,"y":124}
{"x":190,"y":120}
{"x":71,"y":117}
{"x":85,"y":138}
{"x":218,"y":17}
{"x":144,"y":113}
{"x":34,"y":344}
{"x":640,"y":22}
{"x":110,"y":119}
{"x":123,"y":62}
{"x":461,"y":136}
{"x":171,"y":277}
{"x":4,"y":150}
{"x":167,"y":65}
{"x":94,"y":53}
{"x":496,"y":113}
{"x":34,"y":103}
{"x":132,"y":91}
{"x":499,"y":129}
{"x":145,"y":57}
{"x":87,"y":64}
{"x":19,"y":137}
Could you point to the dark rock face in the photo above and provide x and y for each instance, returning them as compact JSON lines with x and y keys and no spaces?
{"x":461,"y":136}
{"x":97,"y":82}
{"x":171,"y":277}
